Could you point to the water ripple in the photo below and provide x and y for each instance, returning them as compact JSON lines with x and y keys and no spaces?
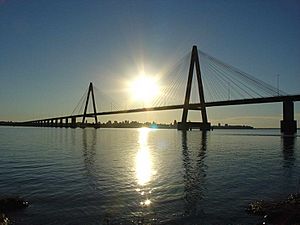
{"x":144,"y":176}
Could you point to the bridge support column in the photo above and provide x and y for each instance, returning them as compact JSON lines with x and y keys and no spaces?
{"x":288,"y":125}
{"x":184,"y":125}
{"x":73,"y":122}
{"x":90,"y":92}
{"x":66,"y":122}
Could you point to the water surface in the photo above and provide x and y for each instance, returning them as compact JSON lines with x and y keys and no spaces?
{"x":144,"y":176}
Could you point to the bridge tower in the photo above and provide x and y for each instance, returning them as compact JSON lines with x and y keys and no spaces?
{"x":90,"y":92}
{"x":184,"y":125}
{"x":288,"y":125}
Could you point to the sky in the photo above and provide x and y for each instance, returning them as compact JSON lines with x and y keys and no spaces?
{"x":51,"y":50}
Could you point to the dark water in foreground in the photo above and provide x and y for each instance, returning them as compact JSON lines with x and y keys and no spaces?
{"x":144,"y":176}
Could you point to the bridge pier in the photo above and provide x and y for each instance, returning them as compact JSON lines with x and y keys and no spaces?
{"x":73,"y":122}
{"x":61,"y":123}
{"x":194,"y":125}
{"x":288,"y":126}
{"x":55,"y":122}
{"x":66,"y":122}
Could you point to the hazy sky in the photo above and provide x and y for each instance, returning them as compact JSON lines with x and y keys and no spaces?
{"x":51,"y":50}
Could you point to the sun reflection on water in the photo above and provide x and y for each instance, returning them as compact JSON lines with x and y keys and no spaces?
{"x":144,"y":170}
{"x":147,"y":202}
{"x":143,"y":159}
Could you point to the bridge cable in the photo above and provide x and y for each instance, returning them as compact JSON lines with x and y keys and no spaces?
{"x":80,"y":102}
{"x":246,"y":77}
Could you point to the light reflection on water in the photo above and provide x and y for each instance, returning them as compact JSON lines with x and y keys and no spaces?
{"x":143,"y":167}
{"x":144,"y":176}
{"x":143,"y":158}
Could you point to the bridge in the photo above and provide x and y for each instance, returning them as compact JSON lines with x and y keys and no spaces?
{"x":224,"y":85}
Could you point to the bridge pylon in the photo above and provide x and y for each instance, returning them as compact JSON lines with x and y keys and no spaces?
{"x":90,"y":92}
{"x":184,"y":125}
{"x":288,"y":126}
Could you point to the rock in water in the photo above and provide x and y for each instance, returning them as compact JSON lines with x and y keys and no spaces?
{"x":3,"y":219}
{"x":12,"y":203}
{"x":283,"y":212}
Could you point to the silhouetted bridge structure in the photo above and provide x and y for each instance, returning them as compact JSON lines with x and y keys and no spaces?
{"x":253,"y":94}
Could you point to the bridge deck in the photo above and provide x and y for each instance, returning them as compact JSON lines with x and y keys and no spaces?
{"x":195,"y":106}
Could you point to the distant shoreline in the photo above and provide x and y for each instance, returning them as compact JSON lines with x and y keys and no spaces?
{"x":226,"y":126}
{"x":134,"y":124}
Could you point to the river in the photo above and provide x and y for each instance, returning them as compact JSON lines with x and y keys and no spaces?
{"x":144,"y":176}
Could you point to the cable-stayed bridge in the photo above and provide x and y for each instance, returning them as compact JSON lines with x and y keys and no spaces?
{"x":215,"y":84}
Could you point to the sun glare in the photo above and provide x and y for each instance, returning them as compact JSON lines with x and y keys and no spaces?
{"x":144,"y":88}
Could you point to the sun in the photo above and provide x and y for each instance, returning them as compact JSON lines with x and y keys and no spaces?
{"x":144,"y":88}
